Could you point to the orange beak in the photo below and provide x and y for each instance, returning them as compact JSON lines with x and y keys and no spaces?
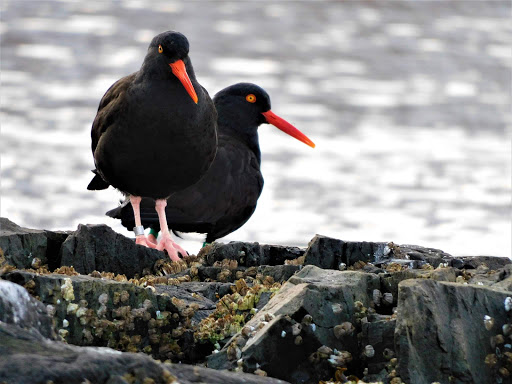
{"x":179,"y":70}
{"x":286,"y":127}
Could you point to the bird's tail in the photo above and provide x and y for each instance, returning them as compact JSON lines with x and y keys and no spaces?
{"x":97,"y":182}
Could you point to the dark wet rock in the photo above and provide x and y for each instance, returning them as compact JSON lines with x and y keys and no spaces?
{"x":318,"y":321}
{"x":195,"y":374}
{"x":22,"y":245}
{"x":326,"y":252}
{"x":279,"y":273}
{"x":314,"y":301}
{"x":329,"y":253}
{"x":482,"y":275}
{"x":379,"y":333}
{"x":122,"y":315}
{"x":250,"y":254}
{"x":473,"y":262}
{"x":390,"y":281}
{"x":17,"y":307}
{"x":99,"y":248}
{"x":28,"y":358}
{"x":504,"y":278}
{"x":440,"y":332}
{"x":212,"y":291}
{"x":431,"y":256}
{"x":204,"y":305}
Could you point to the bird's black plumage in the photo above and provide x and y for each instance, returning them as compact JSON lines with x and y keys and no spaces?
{"x":225,"y":198}
{"x":146,"y":121}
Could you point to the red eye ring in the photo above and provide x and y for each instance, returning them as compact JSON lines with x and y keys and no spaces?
{"x":250,"y":98}
{"x":160,"y":49}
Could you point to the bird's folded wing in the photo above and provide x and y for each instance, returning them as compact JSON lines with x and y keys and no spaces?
{"x":231,"y":185}
{"x":110,"y":105}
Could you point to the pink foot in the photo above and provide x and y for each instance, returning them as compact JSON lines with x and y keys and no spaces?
{"x":171,"y":247}
{"x":145,"y":241}
{"x":151,"y":239}
{"x":141,"y":240}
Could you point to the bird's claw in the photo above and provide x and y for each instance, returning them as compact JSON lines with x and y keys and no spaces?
{"x":171,"y":247}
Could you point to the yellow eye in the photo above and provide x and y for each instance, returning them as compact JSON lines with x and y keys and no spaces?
{"x":160,"y":49}
{"x":251,"y":98}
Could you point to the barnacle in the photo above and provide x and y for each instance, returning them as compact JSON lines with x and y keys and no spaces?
{"x":369,"y":351}
{"x":377,"y":296}
{"x":488,"y":322}
{"x":508,"y":303}
{"x":67,"y":290}
{"x":66,"y":270}
{"x":343,"y":329}
{"x":387,"y":299}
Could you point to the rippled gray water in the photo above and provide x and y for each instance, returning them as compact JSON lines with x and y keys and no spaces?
{"x":408,"y":103}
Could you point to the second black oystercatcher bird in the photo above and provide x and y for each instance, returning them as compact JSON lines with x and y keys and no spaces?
{"x":225,"y":198}
{"x":155,"y":133}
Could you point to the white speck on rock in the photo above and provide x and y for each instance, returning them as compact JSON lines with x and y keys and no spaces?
{"x":508,"y":303}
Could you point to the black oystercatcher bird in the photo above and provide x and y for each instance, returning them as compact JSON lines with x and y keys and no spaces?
{"x":225,"y":198}
{"x":155,"y":133}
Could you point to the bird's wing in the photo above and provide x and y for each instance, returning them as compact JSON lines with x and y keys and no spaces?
{"x":229,"y":190}
{"x":110,"y":105}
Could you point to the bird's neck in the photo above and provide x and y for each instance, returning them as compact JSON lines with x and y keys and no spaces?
{"x":248,"y":138}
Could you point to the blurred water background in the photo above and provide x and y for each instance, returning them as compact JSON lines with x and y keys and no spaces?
{"x":409,"y":104}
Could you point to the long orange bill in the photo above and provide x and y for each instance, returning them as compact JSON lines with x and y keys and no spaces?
{"x":286,"y":127}
{"x":179,"y":70}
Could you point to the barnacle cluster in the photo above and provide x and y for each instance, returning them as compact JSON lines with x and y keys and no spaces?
{"x":395,"y":267}
{"x":500,"y":361}
{"x":357,"y":266}
{"x":5,"y":267}
{"x":298,"y":261}
{"x":232,"y":312}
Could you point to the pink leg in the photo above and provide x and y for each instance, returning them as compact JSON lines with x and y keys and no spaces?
{"x":166,"y":241}
{"x":140,"y":239}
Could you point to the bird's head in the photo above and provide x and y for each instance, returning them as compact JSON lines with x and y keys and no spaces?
{"x":170,"y":49}
{"x":248,"y":105}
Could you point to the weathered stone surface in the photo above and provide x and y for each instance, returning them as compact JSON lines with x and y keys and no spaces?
{"x":390,"y":281}
{"x":440,"y":334}
{"x":326,"y":252}
{"x":212,"y":291}
{"x":379,"y":333}
{"x":329,"y":253}
{"x":196,"y":374}
{"x":122,"y":315}
{"x":431,"y":256}
{"x":250,"y":254}
{"x":314,"y":301}
{"x":17,"y":307}
{"x":98,"y":247}
{"x":22,"y":245}
{"x":204,"y":305}
{"x":30,"y":359}
{"x":473,"y":262}
{"x":279,"y":273}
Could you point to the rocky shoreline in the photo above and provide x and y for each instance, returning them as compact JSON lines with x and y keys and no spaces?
{"x":90,"y":306}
